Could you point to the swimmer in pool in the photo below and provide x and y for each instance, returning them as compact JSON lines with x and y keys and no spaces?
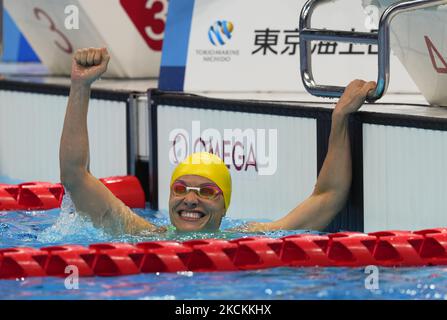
{"x":201,"y":185}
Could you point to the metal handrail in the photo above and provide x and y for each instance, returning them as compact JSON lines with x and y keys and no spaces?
{"x":381,"y":39}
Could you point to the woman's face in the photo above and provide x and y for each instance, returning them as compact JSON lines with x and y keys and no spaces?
{"x":191,"y":212}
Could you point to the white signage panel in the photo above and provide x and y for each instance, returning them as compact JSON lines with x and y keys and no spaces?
{"x":253,"y":45}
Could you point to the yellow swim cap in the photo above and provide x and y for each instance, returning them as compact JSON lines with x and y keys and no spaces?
{"x":209,"y":166}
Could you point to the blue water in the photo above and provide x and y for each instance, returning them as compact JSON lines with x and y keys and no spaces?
{"x":63,"y":226}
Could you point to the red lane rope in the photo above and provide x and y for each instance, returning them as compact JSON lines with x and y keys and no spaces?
{"x":346,"y":249}
{"x":45,"y":196}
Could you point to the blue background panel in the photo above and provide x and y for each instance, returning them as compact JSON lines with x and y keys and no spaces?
{"x":15,"y":46}
{"x":175,"y":45}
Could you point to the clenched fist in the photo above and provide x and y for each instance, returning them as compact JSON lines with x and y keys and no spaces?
{"x":88,"y":65}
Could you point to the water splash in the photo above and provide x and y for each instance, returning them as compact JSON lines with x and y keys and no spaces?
{"x":70,"y":227}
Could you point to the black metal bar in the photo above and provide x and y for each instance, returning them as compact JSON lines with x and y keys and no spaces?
{"x":131,"y":134}
{"x":60,"y":90}
{"x":153,"y":151}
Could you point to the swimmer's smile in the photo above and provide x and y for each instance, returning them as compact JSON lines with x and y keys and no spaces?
{"x":191,"y":215}
{"x":192,"y":219}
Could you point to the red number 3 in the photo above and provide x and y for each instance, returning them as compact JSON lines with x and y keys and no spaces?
{"x":149,"y":17}
{"x":66,"y":47}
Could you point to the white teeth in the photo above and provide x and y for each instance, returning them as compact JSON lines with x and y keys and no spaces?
{"x":191,"y":215}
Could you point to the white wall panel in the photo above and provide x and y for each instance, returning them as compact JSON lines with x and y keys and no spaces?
{"x":405,"y":178}
{"x":254,"y":196}
{"x":30,"y":130}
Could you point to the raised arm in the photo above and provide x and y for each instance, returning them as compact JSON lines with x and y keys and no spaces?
{"x":334,"y":181}
{"x":90,"y":196}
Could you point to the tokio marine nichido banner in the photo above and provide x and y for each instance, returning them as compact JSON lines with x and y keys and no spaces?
{"x":131,"y":30}
{"x":253,"y":46}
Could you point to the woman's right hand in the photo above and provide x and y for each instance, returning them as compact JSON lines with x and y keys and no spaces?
{"x":353,"y":97}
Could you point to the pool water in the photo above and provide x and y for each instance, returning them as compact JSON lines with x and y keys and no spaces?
{"x":64,"y":226}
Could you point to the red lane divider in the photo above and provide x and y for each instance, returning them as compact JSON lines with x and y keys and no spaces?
{"x":346,"y":249}
{"x":45,"y":196}
{"x":128,"y":189}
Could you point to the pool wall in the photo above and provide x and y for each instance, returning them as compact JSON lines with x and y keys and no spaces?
{"x":405,"y":175}
{"x":398,"y":150}
{"x":398,"y":153}
{"x":31,"y":120}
